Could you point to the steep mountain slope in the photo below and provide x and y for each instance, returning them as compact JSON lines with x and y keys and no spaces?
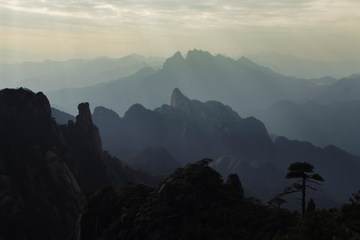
{"x":154,"y":160}
{"x":242,"y":84}
{"x":61,"y":117}
{"x":47,"y":169}
{"x":336,"y":123}
{"x":112,"y":94}
{"x":192,"y":203}
{"x":346,"y":89}
{"x":191,"y":130}
{"x":208,"y":129}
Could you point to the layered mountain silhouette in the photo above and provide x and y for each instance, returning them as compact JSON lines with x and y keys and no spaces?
{"x":155,"y":160}
{"x":194,"y":202}
{"x":289,"y":65}
{"x":51,"y":75}
{"x":46,"y":169}
{"x":336,"y":123}
{"x":346,"y":89}
{"x":190,"y":130}
{"x":240,"y":83}
{"x":201,"y":128}
{"x":61,"y":117}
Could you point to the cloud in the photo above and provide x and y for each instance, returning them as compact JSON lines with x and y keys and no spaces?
{"x":266,"y":25}
{"x":196,"y":14}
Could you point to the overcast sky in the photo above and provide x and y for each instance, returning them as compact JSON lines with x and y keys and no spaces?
{"x":316,"y":29}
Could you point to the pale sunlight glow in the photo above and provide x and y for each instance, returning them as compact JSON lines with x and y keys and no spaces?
{"x":147,"y":26}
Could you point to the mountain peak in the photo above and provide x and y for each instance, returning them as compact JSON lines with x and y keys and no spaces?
{"x":177,"y":98}
{"x":105,"y":112}
{"x":18,"y":103}
{"x":198,"y":55}
{"x":84,"y":118}
{"x":173,"y":61}
{"x":178,"y":55}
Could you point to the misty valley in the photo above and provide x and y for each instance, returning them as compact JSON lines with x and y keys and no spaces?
{"x":194,"y":146}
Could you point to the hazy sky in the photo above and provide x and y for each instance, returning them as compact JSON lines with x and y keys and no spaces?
{"x":317,"y":29}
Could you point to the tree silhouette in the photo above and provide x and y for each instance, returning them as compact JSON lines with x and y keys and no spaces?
{"x":311,"y":206}
{"x":204,"y":162}
{"x":276,"y":202}
{"x":303,"y":171}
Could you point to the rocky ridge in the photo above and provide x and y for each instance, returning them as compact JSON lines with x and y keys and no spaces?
{"x":190,"y":198}
{"x":47,"y":169}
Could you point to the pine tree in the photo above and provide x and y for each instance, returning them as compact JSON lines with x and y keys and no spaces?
{"x":304,"y":172}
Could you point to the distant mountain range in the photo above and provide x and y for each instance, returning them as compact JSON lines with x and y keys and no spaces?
{"x":190,"y":130}
{"x":242,"y":84}
{"x":289,"y":65}
{"x":51,"y":75}
{"x":46,"y":168}
{"x":336,"y":123}
{"x":8,"y":56}
{"x":50,"y":160}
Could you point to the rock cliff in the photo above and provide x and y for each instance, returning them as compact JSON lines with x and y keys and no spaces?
{"x":191,"y":203}
{"x":47,"y":169}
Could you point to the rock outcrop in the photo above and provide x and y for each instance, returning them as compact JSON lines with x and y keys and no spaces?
{"x":234,"y":180}
{"x":191,"y":203}
{"x":178,"y":99}
{"x":193,"y":197}
{"x":22,"y":103}
{"x":41,"y":196}
{"x":46,"y":169}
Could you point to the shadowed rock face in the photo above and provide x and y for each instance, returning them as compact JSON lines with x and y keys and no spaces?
{"x":23,"y":103}
{"x":88,"y":133}
{"x":191,"y":203}
{"x":191,"y":130}
{"x":234,"y":180}
{"x":209,"y":129}
{"x":45,"y":168}
{"x":178,"y":99}
{"x":83,"y":120}
{"x":41,"y":195}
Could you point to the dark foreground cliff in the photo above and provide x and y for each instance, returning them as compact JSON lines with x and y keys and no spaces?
{"x":47,"y":170}
{"x":195,"y":203}
{"x":192,"y":203}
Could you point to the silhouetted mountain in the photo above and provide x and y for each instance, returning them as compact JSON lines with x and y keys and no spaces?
{"x":192,"y":203}
{"x":204,"y":129}
{"x":154,"y":160}
{"x":51,"y":75}
{"x":289,"y":65}
{"x":190,"y":129}
{"x":45,"y":168}
{"x":61,"y":117}
{"x":324,"y":80}
{"x":336,"y":123}
{"x":242,"y":84}
{"x":346,"y":89}
{"x":195,"y":203}
{"x":112,"y":94}
{"x":261,"y":179}
{"x":117,"y":140}
{"x":9,"y":56}
{"x":339,"y":168}
{"x":154,"y":62}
